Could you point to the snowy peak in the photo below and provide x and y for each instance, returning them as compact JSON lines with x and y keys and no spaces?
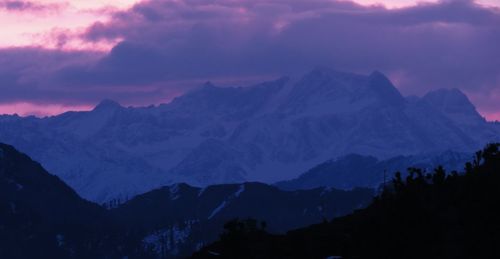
{"x":325,"y":90}
{"x":83,"y":125}
{"x":231,"y":103}
{"x":208,"y":84}
{"x":447,"y":98}
{"x":455,"y":105}
{"x":385,"y":90}
{"x":107,"y":105}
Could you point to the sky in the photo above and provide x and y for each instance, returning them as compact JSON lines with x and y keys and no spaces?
{"x":68,"y":55}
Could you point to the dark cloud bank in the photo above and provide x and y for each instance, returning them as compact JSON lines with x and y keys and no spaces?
{"x":169,"y":46}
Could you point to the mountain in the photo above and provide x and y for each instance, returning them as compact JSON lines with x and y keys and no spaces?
{"x":353,"y":170}
{"x":177,"y":220}
{"x":268,"y":132}
{"x":455,"y":105}
{"x":41,"y":215}
{"x":431,"y":215}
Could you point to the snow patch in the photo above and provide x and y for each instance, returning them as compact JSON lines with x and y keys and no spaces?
{"x":240,"y":190}
{"x":60,"y":240}
{"x":202,"y":190}
{"x":224,"y":203}
{"x":166,"y":241}
{"x":174,"y":192}
{"x":217,"y":210}
{"x":18,"y":185}
{"x":199,"y":246}
{"x":326,"y":190}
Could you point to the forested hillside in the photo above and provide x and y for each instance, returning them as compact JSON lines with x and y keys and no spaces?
{"x":425,"y":215}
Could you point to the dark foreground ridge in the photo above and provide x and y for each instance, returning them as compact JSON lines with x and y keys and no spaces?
{"x":435,"y":215}
{"x":41,"y":217}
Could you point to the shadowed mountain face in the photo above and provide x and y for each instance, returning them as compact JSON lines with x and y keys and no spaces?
{"x":367,"y":171}
{"x":40,"y":215}
{"x":179,"y":219}
{"x":268,"y":132}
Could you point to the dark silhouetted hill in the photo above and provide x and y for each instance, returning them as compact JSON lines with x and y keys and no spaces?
{"x":41,"y":217}
{"x":435,"y":215}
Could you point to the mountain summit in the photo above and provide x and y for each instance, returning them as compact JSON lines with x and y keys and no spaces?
{"x":328,"y":91}
{"x":455,"y":105}
{"x":107,"y":104}
{"x":385,"y":89}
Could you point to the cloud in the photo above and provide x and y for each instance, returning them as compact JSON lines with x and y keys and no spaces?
{"x":30,"y":77}
{"x":448,"y":44}
{"x":162,"y":43}
{"x":29,"y":6}
{"x":25,"y":73}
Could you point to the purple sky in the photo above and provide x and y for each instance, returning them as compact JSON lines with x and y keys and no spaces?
{"x":154,"y":50}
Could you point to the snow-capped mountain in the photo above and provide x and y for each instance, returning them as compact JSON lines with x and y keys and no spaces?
{"x":267,"y":132}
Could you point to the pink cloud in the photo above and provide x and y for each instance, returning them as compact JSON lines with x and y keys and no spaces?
{"x":31,"y":6}
{"x":40,"y":22}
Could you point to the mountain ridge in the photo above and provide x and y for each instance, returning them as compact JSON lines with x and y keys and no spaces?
{"x":267,"y":132}
{"x":354,"y":170}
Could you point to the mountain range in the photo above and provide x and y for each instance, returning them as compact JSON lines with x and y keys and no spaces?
{"x":40,"y":216}
{"x":268,"y":132}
